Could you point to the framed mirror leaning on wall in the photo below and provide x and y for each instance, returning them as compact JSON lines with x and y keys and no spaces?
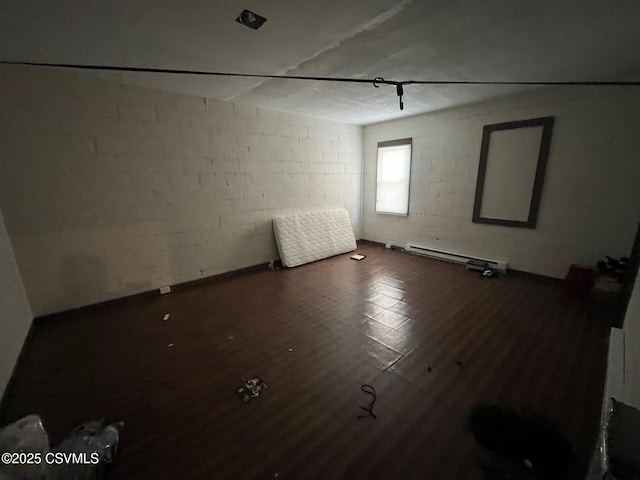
{"x":513,"y":158}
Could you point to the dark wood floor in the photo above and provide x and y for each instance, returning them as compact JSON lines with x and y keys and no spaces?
{"x":397,"y":321}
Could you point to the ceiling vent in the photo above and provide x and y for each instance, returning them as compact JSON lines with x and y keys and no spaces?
{"x":250,"y":19}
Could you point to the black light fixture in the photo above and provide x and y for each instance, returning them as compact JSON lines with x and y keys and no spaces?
{"x":251,"y":19}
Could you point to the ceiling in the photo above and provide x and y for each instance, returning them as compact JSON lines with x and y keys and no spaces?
{"x":494,"y":40}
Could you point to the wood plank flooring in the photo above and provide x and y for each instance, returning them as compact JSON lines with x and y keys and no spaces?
{"x":431,"y":337}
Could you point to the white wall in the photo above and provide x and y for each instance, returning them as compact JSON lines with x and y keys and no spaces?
{"x":111,"y":190}
{"x":632,"y":348}
{"x":590,"y":200}
{"x":15,"y":314}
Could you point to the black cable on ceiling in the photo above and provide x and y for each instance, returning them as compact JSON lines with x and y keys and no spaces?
{"x":376,"y":82}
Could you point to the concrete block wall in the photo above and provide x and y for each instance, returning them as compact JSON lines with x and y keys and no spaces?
{"x":590,"y":205}
{"x":110,"y":190}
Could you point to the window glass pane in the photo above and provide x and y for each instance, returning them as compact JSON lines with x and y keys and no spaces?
{"x":394,"y":167}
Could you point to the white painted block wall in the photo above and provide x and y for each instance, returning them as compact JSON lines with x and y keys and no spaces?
{"x":590,"y":201}
{"x":15,"y":313}
{"x":110,"y":190}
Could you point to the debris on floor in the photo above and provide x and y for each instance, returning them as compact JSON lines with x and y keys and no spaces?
{"x":489,"y":273}
{"x":82,"y":455}
{"x":96,"y":442}
{"x":166,"y":317}
{"x":251,"y":389}
{"x":613,"y":267}
{"x":579,"y":278}
{"x":275,"y":264}
{"x":171,"y":345}
{"x":370,"y":390}
{"x":358,"y":257}
{"x":611,"y":274}
{"x":27,"y":436}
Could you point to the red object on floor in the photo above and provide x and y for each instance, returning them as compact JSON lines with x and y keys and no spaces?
{"x":579,"y":279}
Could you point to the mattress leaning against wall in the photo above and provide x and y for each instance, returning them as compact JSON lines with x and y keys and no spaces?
{"x":310,"y":236}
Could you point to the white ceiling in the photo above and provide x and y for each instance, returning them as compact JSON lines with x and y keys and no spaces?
{"x":501,"y":40}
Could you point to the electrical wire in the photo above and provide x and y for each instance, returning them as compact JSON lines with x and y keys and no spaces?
{"x":376,"y":82}
{"x":371,"y":391}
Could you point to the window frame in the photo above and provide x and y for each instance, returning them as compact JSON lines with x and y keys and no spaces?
{"x":394,"y":143}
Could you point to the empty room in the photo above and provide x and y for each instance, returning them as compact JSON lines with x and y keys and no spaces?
{"x":337,"y":240}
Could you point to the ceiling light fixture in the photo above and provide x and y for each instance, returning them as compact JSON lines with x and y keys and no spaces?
{"x":250,"y":19}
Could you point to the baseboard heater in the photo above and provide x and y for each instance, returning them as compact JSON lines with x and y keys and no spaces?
{"x":454,"y":257}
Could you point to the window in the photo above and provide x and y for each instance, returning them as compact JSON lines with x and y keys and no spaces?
{"x":394,"y":170}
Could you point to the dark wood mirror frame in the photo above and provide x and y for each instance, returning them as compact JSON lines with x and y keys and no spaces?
{"x":547,"y":125}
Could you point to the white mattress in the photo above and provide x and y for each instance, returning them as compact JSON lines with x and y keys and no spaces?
{"x":307,"y":237}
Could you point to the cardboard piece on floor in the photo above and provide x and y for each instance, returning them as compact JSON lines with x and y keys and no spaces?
{"x":357,"y":256}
